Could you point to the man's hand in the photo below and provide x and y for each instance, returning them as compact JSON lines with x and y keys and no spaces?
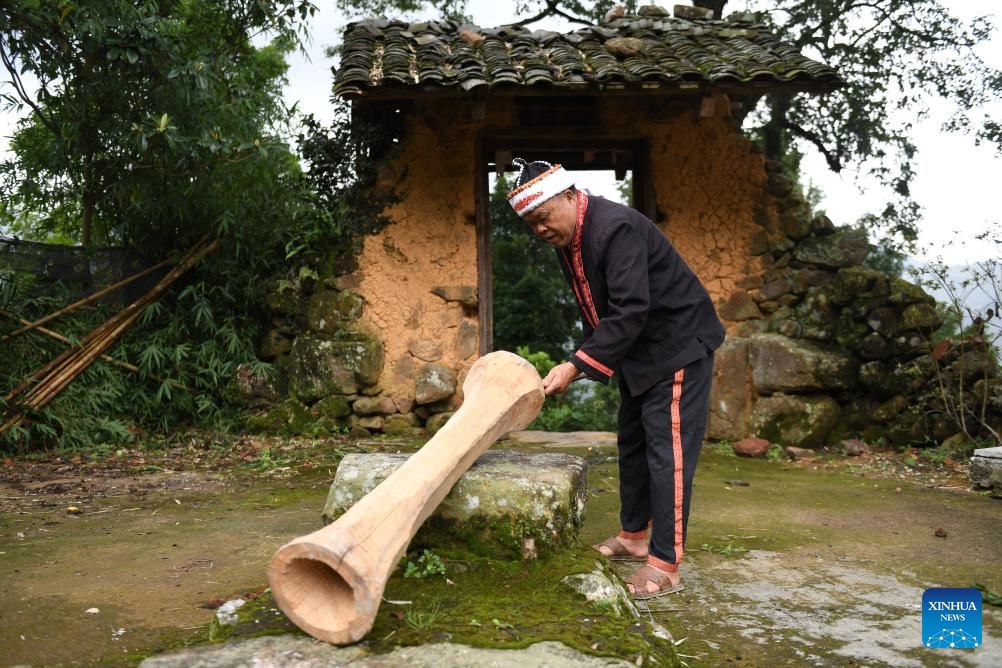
{"x":559,"y":378}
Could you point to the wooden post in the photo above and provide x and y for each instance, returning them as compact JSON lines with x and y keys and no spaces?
{"x":330,"y":582}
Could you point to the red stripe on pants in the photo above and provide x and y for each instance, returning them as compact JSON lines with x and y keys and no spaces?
{"x":676,"y":441}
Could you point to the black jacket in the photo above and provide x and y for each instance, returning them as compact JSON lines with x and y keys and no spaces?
{"x":644,"y":313}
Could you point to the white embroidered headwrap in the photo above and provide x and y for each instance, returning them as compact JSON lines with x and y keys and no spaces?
{"x":531,"y":194}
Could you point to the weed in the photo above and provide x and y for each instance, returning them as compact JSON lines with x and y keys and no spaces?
{"x":428,"y":564}
{"x":728,"y":550}
{"x":419,"y":621}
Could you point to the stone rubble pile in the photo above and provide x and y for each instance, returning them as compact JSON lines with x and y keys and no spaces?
{"x":826,"y":348}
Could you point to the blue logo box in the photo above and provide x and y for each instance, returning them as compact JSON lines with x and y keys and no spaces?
{"x":951,"y":618}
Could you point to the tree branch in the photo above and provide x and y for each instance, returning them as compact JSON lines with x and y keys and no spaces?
{"x":833,"y":159}
{"x":552,"y":9}
{"x":22,"y":93}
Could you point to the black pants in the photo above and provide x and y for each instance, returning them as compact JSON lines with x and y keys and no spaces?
{"x":660,"y":436}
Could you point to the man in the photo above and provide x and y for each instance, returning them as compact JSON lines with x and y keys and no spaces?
{"x":648,"y":318}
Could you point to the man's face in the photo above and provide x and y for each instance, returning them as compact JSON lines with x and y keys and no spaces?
{"x":553,"y":221}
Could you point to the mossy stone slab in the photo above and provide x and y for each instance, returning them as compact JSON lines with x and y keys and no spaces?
{"x":508,"y":504}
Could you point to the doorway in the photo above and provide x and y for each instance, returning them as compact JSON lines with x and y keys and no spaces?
{"x":620,"y":159}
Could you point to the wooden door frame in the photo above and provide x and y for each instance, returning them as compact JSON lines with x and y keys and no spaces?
{"x":489,"y":144}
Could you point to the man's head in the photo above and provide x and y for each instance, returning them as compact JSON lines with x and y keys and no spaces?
{"x":544,"y":196}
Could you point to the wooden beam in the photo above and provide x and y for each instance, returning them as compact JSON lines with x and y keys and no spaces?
{"x":485,"y":283}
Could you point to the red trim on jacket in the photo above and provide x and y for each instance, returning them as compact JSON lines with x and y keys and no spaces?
{"x":592,"y":362}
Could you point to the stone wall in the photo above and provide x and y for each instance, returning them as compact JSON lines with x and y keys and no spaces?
{"x":822,"y":347}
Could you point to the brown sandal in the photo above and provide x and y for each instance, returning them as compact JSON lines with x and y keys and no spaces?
{"x":619,"y":551}
{"x":648,"y":573}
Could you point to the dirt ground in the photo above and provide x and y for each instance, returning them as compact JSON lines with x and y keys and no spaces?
{"x":818,"y":562}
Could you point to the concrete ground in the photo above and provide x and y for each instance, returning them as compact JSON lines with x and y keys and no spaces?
{"x":797,"y":567}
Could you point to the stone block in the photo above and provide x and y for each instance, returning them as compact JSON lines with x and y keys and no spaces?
{"x":330,"y":310}
{"x":425,"y":350}
{"x":985,"y":468}
{"x":434,"y":382}
{"x":508,"y":505}
{"x":781,"y":364}
{"x":463,"y":294}
{"x":373,"y":406}
{"x":739,"y":306}
{"x":320,"y":367}
{"x":731,"y":391}
{"x":799,"y":421}
{"x":842,"y":248}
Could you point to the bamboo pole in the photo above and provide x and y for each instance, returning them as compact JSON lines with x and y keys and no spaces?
{"x":132,"y":368}
{"x":60,"y":372}
{"x":86,"y":300}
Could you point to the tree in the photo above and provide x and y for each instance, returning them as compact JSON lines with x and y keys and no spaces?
{"x":533,"y":306}
{"x":142,"y":111}
{"x":895,"y":55}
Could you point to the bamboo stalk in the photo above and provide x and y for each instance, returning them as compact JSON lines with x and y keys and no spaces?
{"x":86,"y":300}
{"x":94,"y":345}
{"x":64,"y":357}
{"x":52,"y":334}
{"x":60,"y":372}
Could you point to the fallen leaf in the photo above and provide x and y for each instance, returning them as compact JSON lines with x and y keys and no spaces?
{"x":91,"y":611}
{"x":941,"y":533}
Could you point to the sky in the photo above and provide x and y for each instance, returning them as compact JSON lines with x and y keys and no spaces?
{"x":955,"y":180}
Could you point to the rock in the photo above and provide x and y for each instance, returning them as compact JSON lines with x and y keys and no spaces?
{"x":504,"y":500}
{"x":625,"y":47}
{"x":920,"y":317}
{"x":822,"y":226}
{"x":370,"y":422}
{"x":373,"y":406}
{"x":283,"y":298}
{"x":885,"y":320}
{"x":273,"y":344}
{"x":437,"y":421}
{"x":357,"y":432}
{"x":781,"y":364}
{"x":320,"y":367}
{"x":751,"y":327}
{"x":434,"y":382}
{"x":805,"y":279}
{"x":799,"y":453}
{"x":878,"y":379}
{"x":227,"y":612}
{"x":328,"y":311}
{"x":652,"y":10}
{"x":777,"y":184}
{"x":854,"y":447}
{"x":844,"y":247}
{"x":795,"y":222}
{"x":903,"y":293}
{"x":403,"y":404}
{"x":985,"y":468}
{"x":402,"y":424}
{"x":251,"y":390}
{"x":800,"y":421}
{"x":751,"y":447}
{"x":731,"y":391}
{"x":953,"y":442}
{"x":425,"y":350}
{"x":332,"y":407}
{"x":299,"y":651}
{"x":596,"y":586}
{"x":739,"y":306}
{"x":853,"y":283}
{"x":463,"y":294}
{"x":815,"y":316}
{"x":774,"y":289}
{"x":467,"y":340}
{"x":694,"y":13}
{"x":886,"y":411}
{"x":873,"y":347}
{"x":566,"y":439}
{"x":289,"y":417}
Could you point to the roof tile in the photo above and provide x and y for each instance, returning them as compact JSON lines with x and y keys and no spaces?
{"x":628,"y":51}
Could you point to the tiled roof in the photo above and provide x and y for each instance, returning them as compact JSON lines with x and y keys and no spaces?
{"x":628,"y":52}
